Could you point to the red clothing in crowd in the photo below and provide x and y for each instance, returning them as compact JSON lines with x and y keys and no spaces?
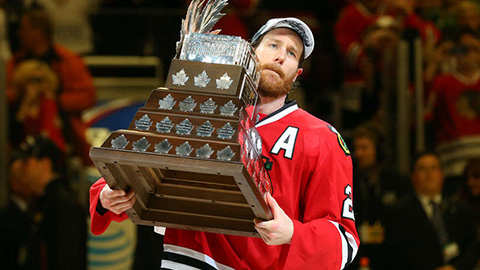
{"x":47,"y":122}
{"x":457,"y":102}
{"x":76,"y":93}
{"x":353,"y":22}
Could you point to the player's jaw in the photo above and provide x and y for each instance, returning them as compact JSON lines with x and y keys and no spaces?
{"x":274,"y":82}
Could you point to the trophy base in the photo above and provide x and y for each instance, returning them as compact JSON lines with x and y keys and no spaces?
{"x":185,"y":193}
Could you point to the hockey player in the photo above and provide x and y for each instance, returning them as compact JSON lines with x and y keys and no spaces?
{"x":311,"y":171}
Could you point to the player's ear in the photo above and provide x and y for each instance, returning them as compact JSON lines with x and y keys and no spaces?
{"x":299,"y":71}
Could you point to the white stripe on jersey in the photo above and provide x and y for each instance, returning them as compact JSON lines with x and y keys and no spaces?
{"x":277,"y":116}
{"x":192,"y":254}
{"x":159,"y":230}
{"x":347,"y":243}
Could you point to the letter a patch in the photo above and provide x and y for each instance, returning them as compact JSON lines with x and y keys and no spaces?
{"x":286,"y":142}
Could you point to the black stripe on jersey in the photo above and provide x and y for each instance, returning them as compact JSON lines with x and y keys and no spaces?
{"x":350,"y":249}
{"x":286,"y":106}
{"x":189,"y":261}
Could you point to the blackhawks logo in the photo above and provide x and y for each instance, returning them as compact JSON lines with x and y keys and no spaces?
{"x":268,"y":167}
{"x":340,"y":140}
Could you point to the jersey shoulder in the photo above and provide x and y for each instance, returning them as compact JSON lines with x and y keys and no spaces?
{"x":322,"y":131}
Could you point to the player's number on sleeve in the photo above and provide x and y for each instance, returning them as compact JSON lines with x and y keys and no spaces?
{"x":347,"y":211}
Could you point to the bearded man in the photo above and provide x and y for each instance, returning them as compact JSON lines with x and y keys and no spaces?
{"x":311,"y":172}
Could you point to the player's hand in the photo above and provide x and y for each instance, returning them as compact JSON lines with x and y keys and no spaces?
{"x":116,"y":201}
{"x":277,"y":231}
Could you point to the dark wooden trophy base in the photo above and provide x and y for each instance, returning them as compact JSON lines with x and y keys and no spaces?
{"x":190,"y":191}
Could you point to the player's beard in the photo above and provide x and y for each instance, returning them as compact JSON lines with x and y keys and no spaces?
{"x":272,"y":85}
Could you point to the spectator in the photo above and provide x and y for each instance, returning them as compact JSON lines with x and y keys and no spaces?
{"x":465,"y":15}
{"x":35,"y":111}
{"x":14,"y":10}
{"x":365,"y":31}
{"x":470,"y":194}
{"x":470,"y":191}
{"x":441,"y":13}
{"x":42,"y":226}
{"x":453,"y":104}
{"x":377,"y":188}
{"x":350,"y":28}
{"x":428,"y":230}
{"x":439,"y":61}
{"x":76,"y":91}
{"x":468,"y":15}
{"x":454,"y":15}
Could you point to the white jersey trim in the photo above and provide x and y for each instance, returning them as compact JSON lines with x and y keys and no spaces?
{"x":277,"y":116}
{"x":192,"y":254}
{"x":159,"y":230}
{"x":348,"y":242}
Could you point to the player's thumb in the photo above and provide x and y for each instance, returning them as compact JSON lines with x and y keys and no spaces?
{"x":272,"y":203}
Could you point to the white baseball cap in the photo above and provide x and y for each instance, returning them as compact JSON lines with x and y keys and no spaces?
{"x":296,"y":25}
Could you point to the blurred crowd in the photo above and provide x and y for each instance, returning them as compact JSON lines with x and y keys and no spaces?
{"x":425,"y":218}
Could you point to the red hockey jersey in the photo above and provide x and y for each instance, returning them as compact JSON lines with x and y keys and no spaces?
{"x":311,"y":173}
{"x":456,"y":110}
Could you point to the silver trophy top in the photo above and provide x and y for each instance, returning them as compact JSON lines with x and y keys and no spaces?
{"x":201,"y":16}
{"x":199,"y":43}
{"x":217,"y":49}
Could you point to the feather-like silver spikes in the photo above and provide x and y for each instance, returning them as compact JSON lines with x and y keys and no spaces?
{"x":211,"y":14}
{"x":201,"y":16}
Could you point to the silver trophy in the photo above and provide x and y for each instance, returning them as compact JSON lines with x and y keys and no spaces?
{"x":192,"y":153}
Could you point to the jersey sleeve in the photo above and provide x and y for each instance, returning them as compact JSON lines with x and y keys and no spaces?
{"x":101,"y":221}
{"x":326,"y":237}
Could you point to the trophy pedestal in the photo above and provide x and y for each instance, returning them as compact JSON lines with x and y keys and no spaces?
{"x":192,"y":194}
{"x":192,"y":153}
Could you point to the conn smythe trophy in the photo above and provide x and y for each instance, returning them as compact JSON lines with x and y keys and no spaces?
{"x":192,"y":153}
